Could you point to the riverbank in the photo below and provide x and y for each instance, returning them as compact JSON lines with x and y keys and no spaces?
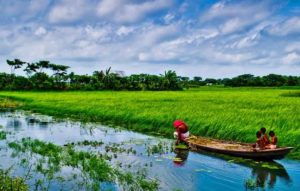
{"x":8,"y":104}
{"x":223,"y":113}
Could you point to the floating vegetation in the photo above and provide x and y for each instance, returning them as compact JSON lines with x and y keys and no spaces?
{"x":11,"y":183}
{"x":93,"y":166}
{"x":168,"y":157}
{"x":181,"y":146}
{"x":3,"y":135}
{"x":160,"y":148}
{"x":250,"y":184}
{"x":271,"y":166}
{"x":177,"y":159}
{"x":116,"y":148}
{"x":86,"y":143}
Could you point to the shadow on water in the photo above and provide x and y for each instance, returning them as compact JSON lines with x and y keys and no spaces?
{"x":264,"y":174}
{"x":181,"y":156}
{"x":264,"y":177}
{"x":14,"y":123}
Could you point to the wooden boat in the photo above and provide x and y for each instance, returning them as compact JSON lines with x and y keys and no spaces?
{"x":236,"y":149}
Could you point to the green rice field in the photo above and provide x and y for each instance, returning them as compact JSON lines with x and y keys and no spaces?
{"x":223,"y":113}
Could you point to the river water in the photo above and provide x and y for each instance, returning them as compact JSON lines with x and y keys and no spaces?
{"x":194,"y":171}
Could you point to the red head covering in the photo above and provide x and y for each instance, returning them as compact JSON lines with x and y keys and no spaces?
{"x":178,"y":123}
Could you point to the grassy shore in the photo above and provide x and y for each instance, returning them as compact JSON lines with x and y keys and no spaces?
{"x":8,"y":104}
{"x":224,"y":113}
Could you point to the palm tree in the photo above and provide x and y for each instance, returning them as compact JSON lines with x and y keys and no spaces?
{"x":15,"y":64}
{"x":170,"y":80}
{"x":31,"y":68}
{"x":43,"y":64}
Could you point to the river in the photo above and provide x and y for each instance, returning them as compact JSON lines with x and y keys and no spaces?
{"x":194,"y":171}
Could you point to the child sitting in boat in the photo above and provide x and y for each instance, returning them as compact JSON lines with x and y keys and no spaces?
{"x":259,"y":144}
{"x":264,"y":136}
{"x":273,"y":143}
{"x":181,"y":132}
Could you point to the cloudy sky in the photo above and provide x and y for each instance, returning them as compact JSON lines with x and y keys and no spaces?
{"x":208,"y":38}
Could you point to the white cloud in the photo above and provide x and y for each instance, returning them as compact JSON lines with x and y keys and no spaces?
{"x":235,"y":17}
{"x":151,"y":36}
{"x":168,"y":18}
{"x":69,"y":11}
{"x":232,"y":25}
{"x":123,"y":30}
{"x":291,"y":58}
{"x":22,"y":10}
{"x":294,"y":46}
{"x":289,"y":26}
{"x":125,"y":11}
{"x":247,"y":41}
{"x":40,"y":31}
{"x":243,"y":9}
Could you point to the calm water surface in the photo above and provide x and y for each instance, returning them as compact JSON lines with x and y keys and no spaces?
{"x":196,"y":172}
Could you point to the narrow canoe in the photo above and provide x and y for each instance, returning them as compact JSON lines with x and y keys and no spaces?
{"x":236,"y":149}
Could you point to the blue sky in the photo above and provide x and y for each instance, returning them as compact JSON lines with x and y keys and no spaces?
{"x":208,"y":38}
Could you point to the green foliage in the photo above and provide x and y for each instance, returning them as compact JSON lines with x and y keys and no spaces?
{"x":10,"y":183}
{"x":271,"y":80}
{"x":251,"y":184}
{"x":108,"y":80}
{"x":86,"y":143}
{"x":37,"y":79}
{"x":93,"y":165}
{"x":2,"y":135}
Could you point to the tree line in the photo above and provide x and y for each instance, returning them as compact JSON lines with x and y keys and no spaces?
{"x":44,"y":75}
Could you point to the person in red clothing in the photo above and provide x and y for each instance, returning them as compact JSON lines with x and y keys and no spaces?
{"x":181,"y":132}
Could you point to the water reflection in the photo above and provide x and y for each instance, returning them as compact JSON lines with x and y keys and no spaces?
{"x":181,"y":156}
{"x":41,"y":121}
{"x":266,"y":175}
{"x":14,"y":123}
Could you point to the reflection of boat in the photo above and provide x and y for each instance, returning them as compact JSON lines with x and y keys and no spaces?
{"x":268,"y":173}
{"x":236,"y":149}
{"x":264,"y":173}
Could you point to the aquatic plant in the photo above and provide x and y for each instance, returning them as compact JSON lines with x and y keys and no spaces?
{"x":117,"y":148}
{"x":86,"y":143}
{"x":3,"y":135}
{"x":250,"y":184}
{"x":181,"y":146}
{"x":11,"y":183}
{"x":94,"y":166}
{"x":160,"y":148}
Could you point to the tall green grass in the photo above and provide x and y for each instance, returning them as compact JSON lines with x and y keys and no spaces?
{"x":224,"y":113}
